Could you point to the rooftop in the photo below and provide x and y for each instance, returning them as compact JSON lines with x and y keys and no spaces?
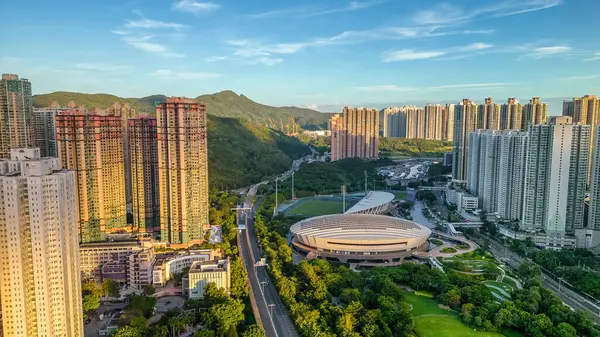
{"x":371,"y":200}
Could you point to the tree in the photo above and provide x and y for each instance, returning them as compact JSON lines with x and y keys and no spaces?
{"x":350,"y":294}
{"x":144,"y":305}
{"x":565,"y":330}
{"x":255,"y":331}
{"x":91,"y":302}
{"x":139,"y":323}
{"x":128,"y":331}
{"x":204,"y":333}
{"x":110,"y":288}
{"x":214,"y":295}
{"x":530,"y":273}
{"x":239,"y":277}
{"x":221,"y":317}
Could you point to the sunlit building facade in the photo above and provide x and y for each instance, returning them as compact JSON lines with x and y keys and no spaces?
{"x":465,"y":122}
{"x":182,"y":170}
{"x":555,"y":179}
{"x":143,"y":154}
{"x":39,"y":256}
{"x":91,"y":144}
{"x":535,"y":112}
{"x":16,"y":105}
{"x":355,"y":133}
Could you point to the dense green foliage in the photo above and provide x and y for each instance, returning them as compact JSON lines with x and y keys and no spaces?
{"x":91,"y":293}
{"x":373,"y":303}
{"x":222,"y":104}
{"x":414,"y":147}
{"x":579,"y":267}
{"x":327,"y":178}
{"x":241,"y":153}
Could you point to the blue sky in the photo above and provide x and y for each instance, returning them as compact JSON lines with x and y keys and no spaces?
{"x":322,"y":54}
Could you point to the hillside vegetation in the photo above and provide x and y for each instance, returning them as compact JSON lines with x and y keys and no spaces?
{"x":414,"y":147}
{"x":239,"y":152}
{"x":222,"y":104}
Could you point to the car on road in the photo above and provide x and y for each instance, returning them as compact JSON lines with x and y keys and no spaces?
{"x":101,"y":317}
{"x":88,"y":320}
{"x":167,"y":302}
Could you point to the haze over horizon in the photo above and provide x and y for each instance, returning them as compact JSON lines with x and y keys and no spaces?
{"x":376,"y":52}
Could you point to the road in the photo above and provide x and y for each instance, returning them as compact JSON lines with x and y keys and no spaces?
{"x":273,"y":314}
{"x":92,"y":329}
{"x":568,"y":296}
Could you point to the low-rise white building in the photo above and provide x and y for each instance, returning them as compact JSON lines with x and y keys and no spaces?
{"x":164,"y":269}
{"x":204,"y":272}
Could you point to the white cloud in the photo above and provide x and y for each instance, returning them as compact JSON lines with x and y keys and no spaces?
{"x":194,"y":7}
{"x":136,"y":35}
{"x":186,"y":76}
{"x":153,"y":24}
{"x":104,"y":67}
{"x":215,"y":58}
{"x":477,"y":46}
{"x":595,"y":57}
{"x":530,"y":51}
{"x":411,"y":54}
{"x":313,"y":107}
{"x":144,"y":43}
{"x":451,"y":14}
{"x":478,"y":31}
{"x":269,"y":61}
{"x":309,"y":11}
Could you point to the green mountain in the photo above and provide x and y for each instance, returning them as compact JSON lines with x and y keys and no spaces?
{"x":241,"y":149}
{"x":222,"y":104}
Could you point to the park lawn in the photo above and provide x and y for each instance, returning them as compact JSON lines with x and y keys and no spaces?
{"x":400,"y":195}
{"x":447,"y":326}
{"x":422,"y":305}
{"x":510,"y":282}
{"x":504,"y":286}
{"x":317,"y":207}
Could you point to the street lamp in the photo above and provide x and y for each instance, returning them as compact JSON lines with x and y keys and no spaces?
{"x":271,"y":310}
{"x":262,"y":283}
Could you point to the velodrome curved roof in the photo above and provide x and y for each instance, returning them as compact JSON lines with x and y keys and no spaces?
{"x":367,"y":227}
{"x":371,"y":200}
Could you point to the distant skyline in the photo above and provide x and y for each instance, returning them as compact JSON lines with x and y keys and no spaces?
{"x":317,"y":54}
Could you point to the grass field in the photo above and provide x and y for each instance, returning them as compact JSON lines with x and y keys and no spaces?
{"x":433,"y":321}
{"x":317,"y":207}
{"x":447,"y":326}
{"x":422,"y":305}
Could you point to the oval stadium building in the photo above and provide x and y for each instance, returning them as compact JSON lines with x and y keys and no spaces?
{"x":359,"y":238}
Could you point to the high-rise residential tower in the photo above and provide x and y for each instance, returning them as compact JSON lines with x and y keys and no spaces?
{"x":448,"y":122}
{"x":594,"y":212}
{"x":584,"y":110}
{"x":415,"y":122}
{"x":394,"y":122}
{"x":144,"y":174}
{"x":126,"y":112}
{"x":535,"y":112}
{"x":511,"y":173}
{"x":43,"y":131}
{"x":91,"y":144}
{"x":433,"y":121}
{"x":16,"y":105}
{"x":555,"y":178}
{"x":511,"y":115}
{"x":483,"y":163}
{"x":465,"y":121}
{"x":488,"y":116}
{"x":39,"y":251}
{"x":355,"y":134}
{"x":183,"y":170}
